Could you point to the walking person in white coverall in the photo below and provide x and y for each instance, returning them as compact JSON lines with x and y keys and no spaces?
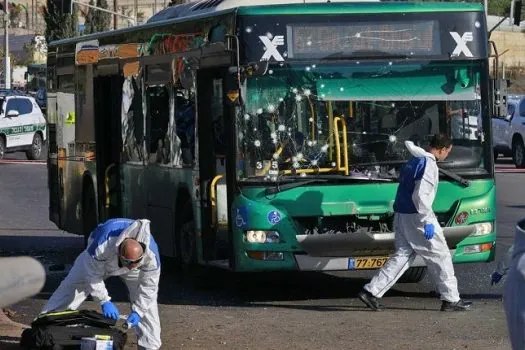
{"x":417,"y":231}
{"x":513,"y":301}
{"x":118,"y":247}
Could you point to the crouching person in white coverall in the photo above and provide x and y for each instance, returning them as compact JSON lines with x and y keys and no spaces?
{"x":124,"y":248}
{"x":513,"y":301}
{"x":417,"y":230}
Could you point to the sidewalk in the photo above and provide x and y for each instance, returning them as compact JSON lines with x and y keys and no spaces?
{"x":10,"y":333}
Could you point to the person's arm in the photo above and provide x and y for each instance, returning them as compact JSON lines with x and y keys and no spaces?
{"x":504,"y":264}
{"x":147,"y":291}
{"x":95,"y":271}
{"x":424,"y":190}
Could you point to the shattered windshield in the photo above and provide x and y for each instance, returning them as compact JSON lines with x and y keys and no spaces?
{"x":309,"y":119}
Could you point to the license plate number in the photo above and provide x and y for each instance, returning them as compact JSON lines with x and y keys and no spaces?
{"x":365,"y":263}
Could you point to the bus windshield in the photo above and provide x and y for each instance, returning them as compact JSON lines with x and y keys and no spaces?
{"x":329,"y":118}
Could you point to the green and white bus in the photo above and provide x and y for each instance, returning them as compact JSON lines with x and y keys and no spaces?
{"x":268,"y":135}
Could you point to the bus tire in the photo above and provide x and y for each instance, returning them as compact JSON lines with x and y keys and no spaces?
{"x":89,"y":213}
{"x":413,"y":275}
{"x":185,"y":236}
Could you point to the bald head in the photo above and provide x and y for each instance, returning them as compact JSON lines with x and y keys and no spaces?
{"x":131,"y":249}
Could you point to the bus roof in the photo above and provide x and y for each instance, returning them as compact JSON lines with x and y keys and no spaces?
{"x":207,"y":8}
{"x":281,"y":7}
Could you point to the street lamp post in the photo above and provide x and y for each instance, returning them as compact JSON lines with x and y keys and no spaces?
{"x":134,"y":19}
{"x":7,"y":59}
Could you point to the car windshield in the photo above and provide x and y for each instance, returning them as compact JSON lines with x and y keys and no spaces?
{"x":334,"y":119}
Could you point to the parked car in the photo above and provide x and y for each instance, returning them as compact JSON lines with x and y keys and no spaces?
{"x":22,"y":125}
{"x":509,"y":131}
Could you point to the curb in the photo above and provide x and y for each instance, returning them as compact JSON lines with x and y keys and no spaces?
{"x":16,"y":161}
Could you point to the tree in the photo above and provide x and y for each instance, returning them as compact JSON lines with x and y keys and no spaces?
{"x":59,"y":25}
{"x":499,"y":7}
{"x":176,"y":2}
{"x":96,"y":20}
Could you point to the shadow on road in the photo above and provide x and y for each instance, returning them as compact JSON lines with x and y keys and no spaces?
{"x":207,"y":286}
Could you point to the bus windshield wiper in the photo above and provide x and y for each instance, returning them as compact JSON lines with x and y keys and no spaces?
{"x":320,"y":179}
{"x":289,"y":185}
{"x":461,"y":180}
{"x":464,"y":182}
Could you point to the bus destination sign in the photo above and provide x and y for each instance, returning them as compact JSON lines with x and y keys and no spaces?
{"x":363,"y":39}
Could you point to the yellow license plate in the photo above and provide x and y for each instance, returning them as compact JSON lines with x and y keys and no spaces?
{"x":366,"y":262}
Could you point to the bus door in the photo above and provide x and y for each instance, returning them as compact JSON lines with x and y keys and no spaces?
{"x":108,"y":96}
{"x":214,"y":152}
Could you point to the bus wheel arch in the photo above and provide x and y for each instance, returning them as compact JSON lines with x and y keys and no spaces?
{"x":89,"y":207}
{"x":185,"y":238}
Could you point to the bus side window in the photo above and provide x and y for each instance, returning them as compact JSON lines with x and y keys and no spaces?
{"x":158,"y":117}
{"x":185,"y":123}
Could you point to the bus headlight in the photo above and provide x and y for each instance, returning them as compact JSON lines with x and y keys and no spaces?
{"x":482,"y":228}
{"x":262,"y":236}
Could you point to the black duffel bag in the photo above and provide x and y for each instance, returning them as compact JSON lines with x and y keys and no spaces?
{"x":65,"y":330}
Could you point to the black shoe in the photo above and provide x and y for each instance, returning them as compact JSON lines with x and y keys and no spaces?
{"x":461,"y":305}
{"x":370,"y":300}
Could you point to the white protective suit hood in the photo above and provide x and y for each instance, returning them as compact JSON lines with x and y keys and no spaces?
{"x":138,"y":230}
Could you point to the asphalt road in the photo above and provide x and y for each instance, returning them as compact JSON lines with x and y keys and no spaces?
{"x":304,"y":310}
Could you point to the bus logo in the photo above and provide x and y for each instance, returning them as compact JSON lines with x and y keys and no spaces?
{"x":271,"y":47}
{"x":461,"y":42}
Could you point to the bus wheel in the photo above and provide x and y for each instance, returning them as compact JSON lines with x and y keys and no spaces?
{"x":186,"y":245}
{"x":413,"y":275}
{"x":89,"y":215}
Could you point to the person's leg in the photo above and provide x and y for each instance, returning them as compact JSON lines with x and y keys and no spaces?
{"x":71,"y":292}
{"x":436,"y":254}
{"x":148,"y":330}
{"x":393,"y":269}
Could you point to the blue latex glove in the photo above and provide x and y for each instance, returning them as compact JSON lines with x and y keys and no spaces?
{"x":429,"y":231}
{"x":134,"y":319}
{"x":110,"y":310}
{"x":496,"y":277}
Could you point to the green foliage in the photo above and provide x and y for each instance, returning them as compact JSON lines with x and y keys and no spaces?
{"x":59,"y":25}
{"x":499,"y":7}
{"x":96,"y":20}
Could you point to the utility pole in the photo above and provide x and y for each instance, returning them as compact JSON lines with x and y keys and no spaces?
{"x":136,"y":10}
{"x":129,"y":18}
{"x":115,"y":24}
{"x":7,"y":59}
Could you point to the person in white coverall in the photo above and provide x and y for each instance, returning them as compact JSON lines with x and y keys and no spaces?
{"x":117,"y":247}
{"x":502,"y":267}
{"x":513,"y":301}
{"x":417,"y":230}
